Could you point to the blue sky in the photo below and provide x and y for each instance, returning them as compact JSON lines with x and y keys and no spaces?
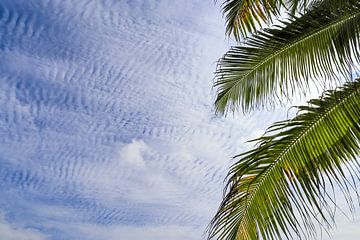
{"x":106,"y":120}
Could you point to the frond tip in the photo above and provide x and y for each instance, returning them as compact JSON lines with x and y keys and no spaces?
{"x":243,"y":17}
{"x":279,"y":188}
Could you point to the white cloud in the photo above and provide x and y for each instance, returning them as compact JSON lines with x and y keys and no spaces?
{"x":115,"y":232}
{"x":133,"y":153}
{"x":10,"y":232}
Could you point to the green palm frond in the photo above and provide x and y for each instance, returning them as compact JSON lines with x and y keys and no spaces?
{"x":278,"y":188}
{"x":276,"y":63}
{"x":245,"y":16}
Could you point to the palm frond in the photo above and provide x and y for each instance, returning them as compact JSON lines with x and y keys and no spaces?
{"x":245,"y":16}
{"x":277,"y":63}
{"x":279,"y":188}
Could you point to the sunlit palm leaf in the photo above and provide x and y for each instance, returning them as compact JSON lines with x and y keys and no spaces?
{"x":278,"y":188}
{"x":245,"y":16}
{"x":278,"y":62}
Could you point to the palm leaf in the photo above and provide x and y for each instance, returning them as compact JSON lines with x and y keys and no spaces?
{"x":276,"y":63}
{"x":278,"y":189}
{"x":245,"y":16}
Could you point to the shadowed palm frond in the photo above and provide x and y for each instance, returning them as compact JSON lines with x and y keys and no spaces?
{"x":245,"y":16}
{"x":320,"y":45}
{"x":279,"y":188}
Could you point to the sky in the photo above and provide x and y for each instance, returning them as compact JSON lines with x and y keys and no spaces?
{"x":107,"y":124}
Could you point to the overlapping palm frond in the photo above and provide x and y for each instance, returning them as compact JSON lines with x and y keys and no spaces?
{"x":277,"y":63}
{"x":244,"y":16}
{"x":277,"y":189}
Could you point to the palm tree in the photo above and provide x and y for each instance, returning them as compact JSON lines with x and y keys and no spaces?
{"x":281,"y":187}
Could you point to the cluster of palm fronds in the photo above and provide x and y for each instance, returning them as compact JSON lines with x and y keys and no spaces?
{"x":277,"y":189}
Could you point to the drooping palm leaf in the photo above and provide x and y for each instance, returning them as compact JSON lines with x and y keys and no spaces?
{"x":277,"y":62}
{"x":245,"y":16}
{"x":278,"y":188}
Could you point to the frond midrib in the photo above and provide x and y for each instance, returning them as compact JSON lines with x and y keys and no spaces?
{"x":286,"y":150}
{"x":311,"y":34}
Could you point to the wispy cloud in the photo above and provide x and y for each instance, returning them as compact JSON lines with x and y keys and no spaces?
{"x":12,"y":232}
{"x":139,"y":233}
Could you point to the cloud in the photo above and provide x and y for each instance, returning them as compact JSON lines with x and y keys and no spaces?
{"x":140,"y":233}
{"x":133,"y":153}
{"x":77,"y":230}
{"x":11,"y":232}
